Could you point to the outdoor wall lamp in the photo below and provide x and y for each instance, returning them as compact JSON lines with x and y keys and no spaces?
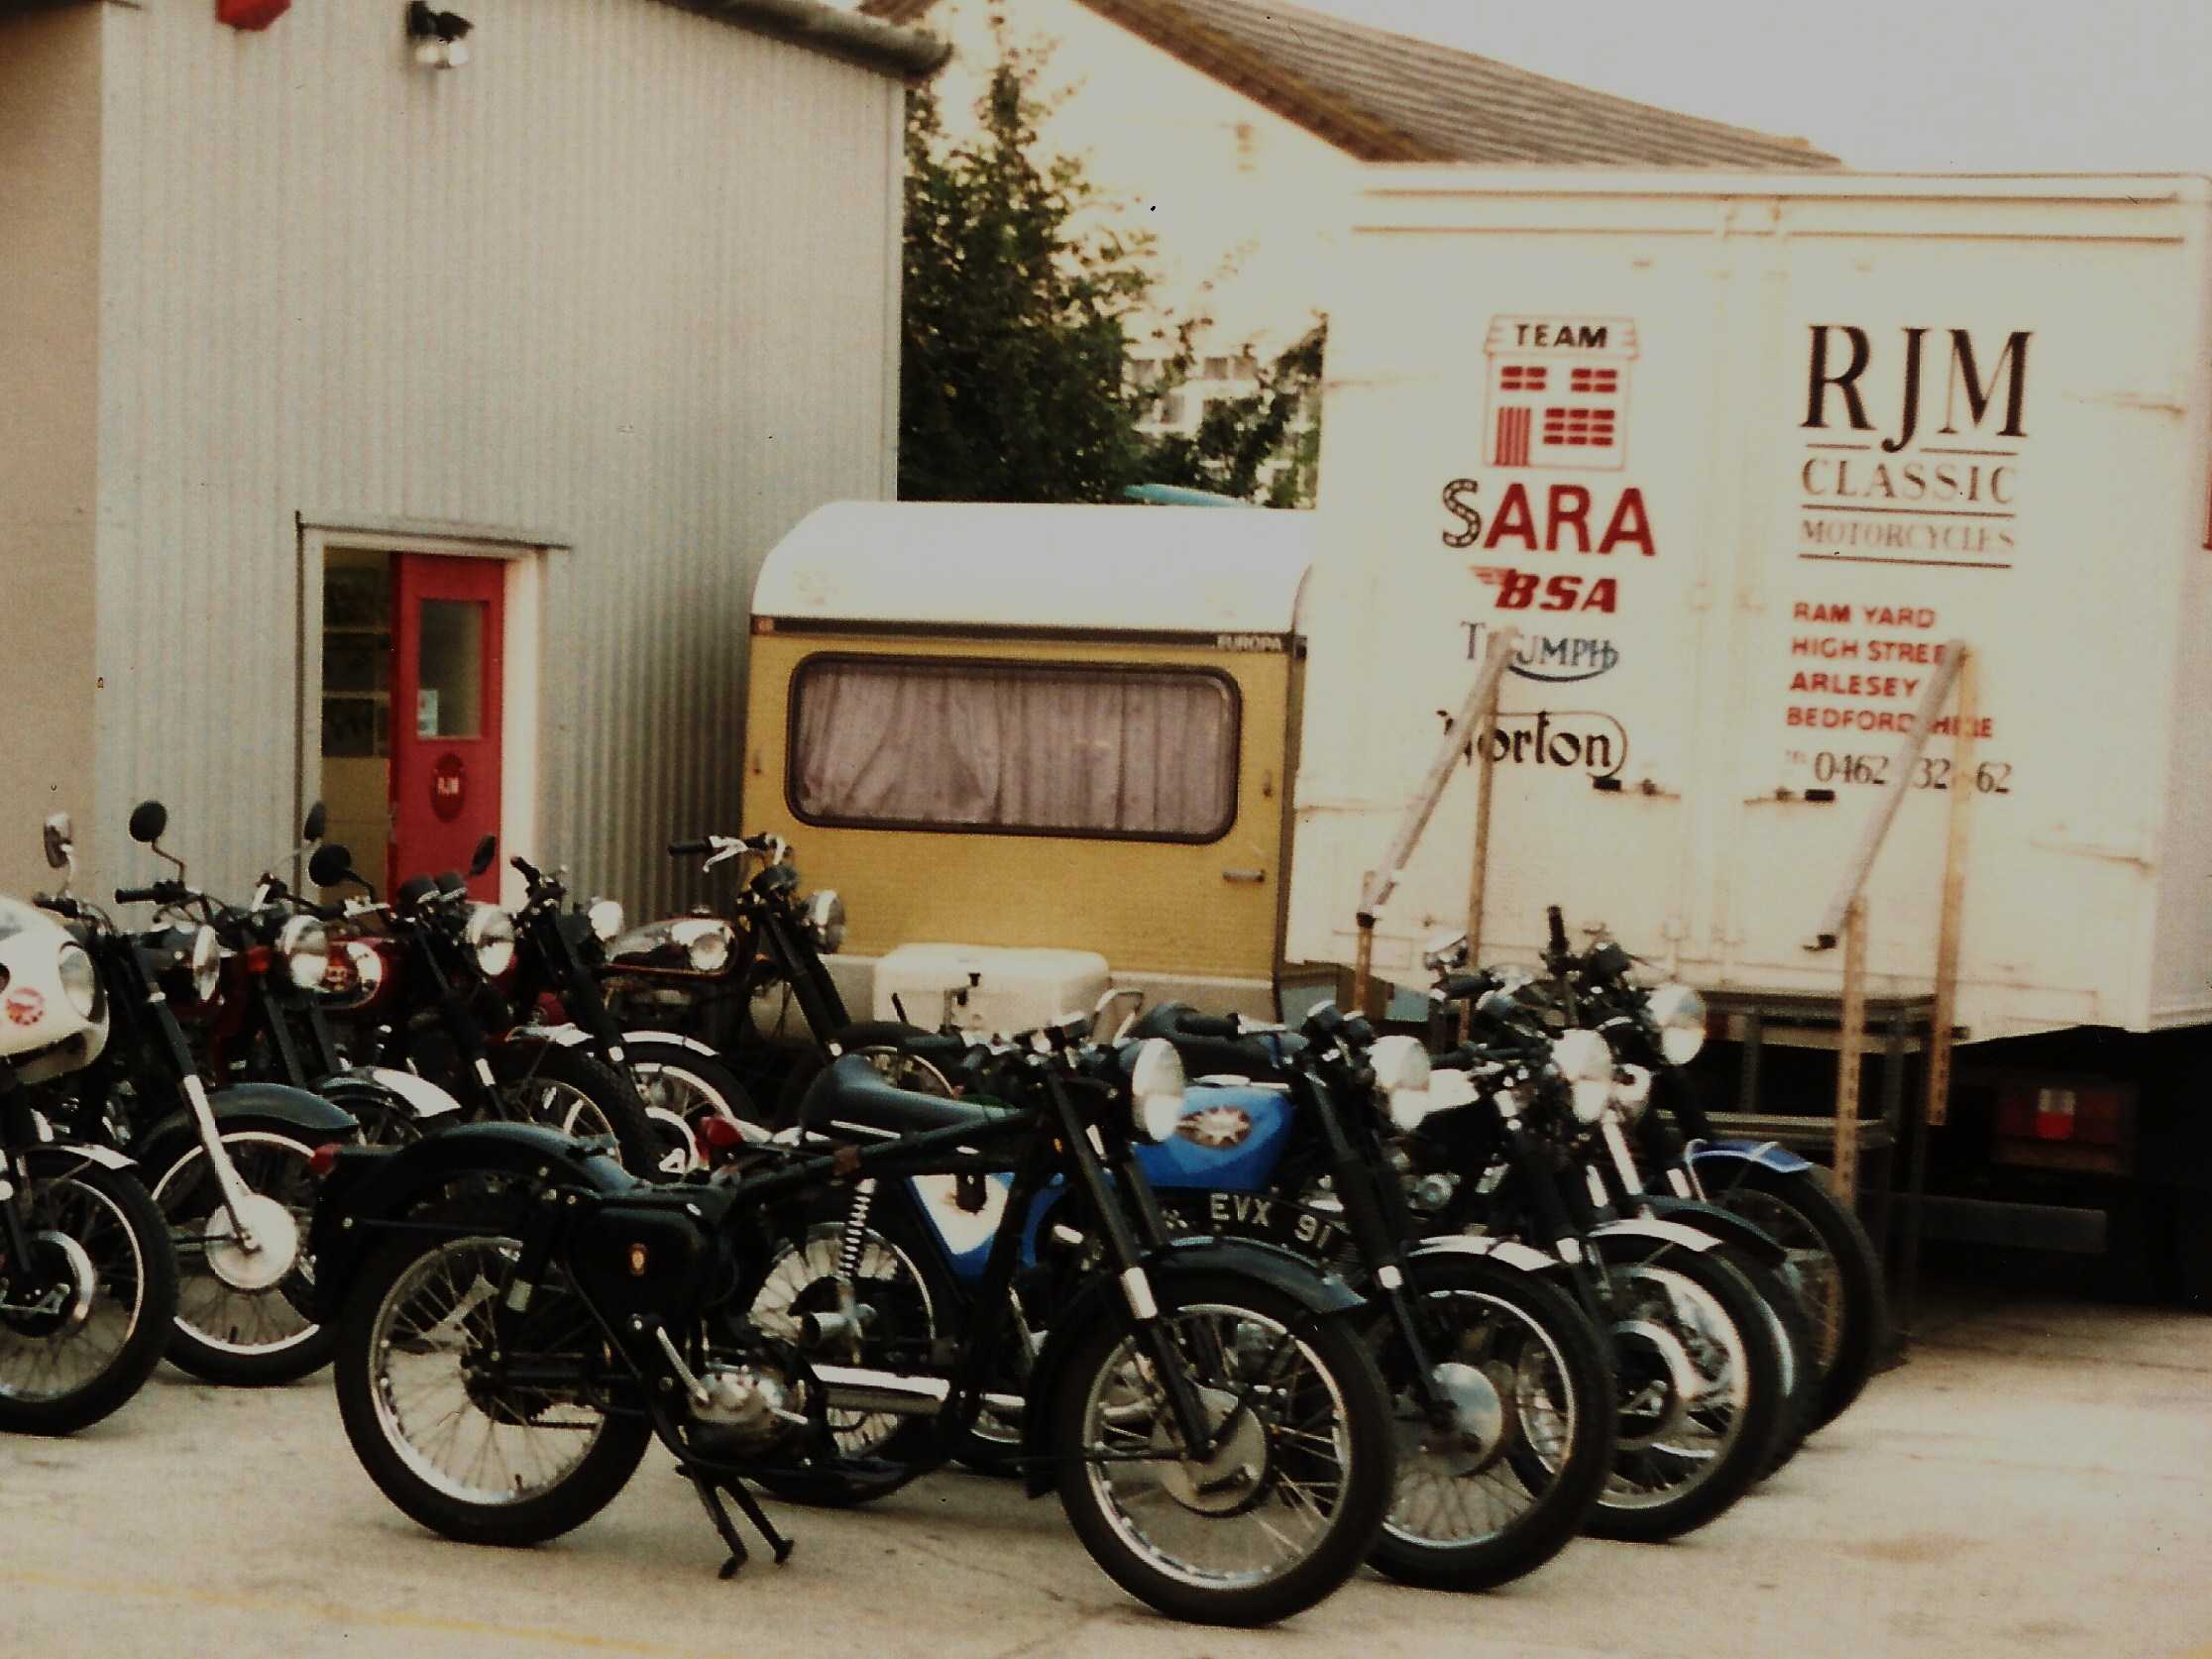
{"x":438,"y":36}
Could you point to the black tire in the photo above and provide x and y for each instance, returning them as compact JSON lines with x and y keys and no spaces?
{"x":1832,"y":1254}
{"x":1793,"y":1333}
{"x":681,"y":1087}
{"x":1334,"y":1371}
{"x":108,"y":1216}
{"x":243,"y":1338}
{"x":1663,"y":1488}
{"x":568,"y":1089}
{"x":1558,"y":1362}
{"x":380,"y":1304}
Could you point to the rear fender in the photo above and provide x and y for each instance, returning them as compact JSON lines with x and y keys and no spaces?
{"x":706,"y":1051}
{"x":372,"y":1186}
{"x":272,"y":1106}
{"x":1181,"y":1260}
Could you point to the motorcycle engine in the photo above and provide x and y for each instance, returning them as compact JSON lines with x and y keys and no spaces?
{"x":751,"y":1407}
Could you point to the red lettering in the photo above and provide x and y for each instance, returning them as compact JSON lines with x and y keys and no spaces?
{"x":1513,"y":519}
{"x":1601,"y":594}
{"x":1560,"y":593}
{"x":1629,"y":524}
{"x":1515,"y":589}
{"x":1570,"y":510}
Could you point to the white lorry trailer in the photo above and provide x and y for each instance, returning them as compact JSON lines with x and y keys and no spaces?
{"x":1738,"y":456}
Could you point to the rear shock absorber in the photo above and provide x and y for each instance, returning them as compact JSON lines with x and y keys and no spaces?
{"x":851,"y":1246}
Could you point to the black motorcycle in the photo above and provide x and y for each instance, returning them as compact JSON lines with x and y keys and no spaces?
{"x":1830,"y":1263}
{"x":229,"y":1168}
{"x":521,"y":1321}
{"x":560,"y":952}
{"x":87,"y":1272}
{"x":436,"y":1010}
{"x":1496,"y":1152}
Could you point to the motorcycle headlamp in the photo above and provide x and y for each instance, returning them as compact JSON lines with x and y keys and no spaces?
{"x":605,"y":918}
{"x":207,"y":962}
{"x":81,"y":981}
{"x":304,"y":943}
{"x":706,"y":945}
{"x":491,"y":935}
{"x":826,"y":921}
{"x":1680,"y":1014}
{"x":1401,"y":1080}
{"x":1632,"y":1092}
{"x":354,"y":975}
{"x":1156,"y":1089}
{"x":1586,"y":1061}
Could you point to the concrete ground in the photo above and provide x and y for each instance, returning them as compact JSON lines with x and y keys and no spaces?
{"x":2037,"y":1479}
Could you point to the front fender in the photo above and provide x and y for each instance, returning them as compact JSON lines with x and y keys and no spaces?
{"x":54,"y":1158}
{"x":1770,"y":1153}
{"x":1725,"y":1225}
{"x":1512,"y":1252}
{"x":1180,"y":1261}
{"x":1635,"y":1236}
{"x":422,"y":1098}
{"x":372,"y":1185}
{"x":307,"y":1117}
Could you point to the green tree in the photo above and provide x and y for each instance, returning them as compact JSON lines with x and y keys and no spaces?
{"x":1264,"y":446}
{"x":1020,"y":305}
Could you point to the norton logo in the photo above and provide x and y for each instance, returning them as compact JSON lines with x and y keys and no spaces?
{"x":637,"y":1258}
{"x":1572,"y":739}
{"x":1559,"y":659}
{"x":1558,"y":392}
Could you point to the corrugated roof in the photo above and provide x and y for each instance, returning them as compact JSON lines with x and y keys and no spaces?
{"x":1384,"y":97}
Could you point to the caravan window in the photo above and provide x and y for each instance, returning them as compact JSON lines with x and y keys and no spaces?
{"x":1014,"y":749}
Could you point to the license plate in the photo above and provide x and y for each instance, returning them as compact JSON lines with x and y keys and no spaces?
{"x":1258,"y":1215}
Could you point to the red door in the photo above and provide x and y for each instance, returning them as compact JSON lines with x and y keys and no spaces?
{"x":446,"y":625}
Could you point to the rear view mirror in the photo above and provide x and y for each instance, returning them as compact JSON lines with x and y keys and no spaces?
{"x":59,"y":838}
{"x":486,"y":850}
{"x":318,"y":821}
{"x":147,"y":819}
{"x":330,"y":865}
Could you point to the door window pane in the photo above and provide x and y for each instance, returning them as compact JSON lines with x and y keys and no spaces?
{"x":1073,"y":751}
{"x":449,"y":698}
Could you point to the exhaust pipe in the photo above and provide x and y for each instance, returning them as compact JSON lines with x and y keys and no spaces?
{"x":858,"y":1388}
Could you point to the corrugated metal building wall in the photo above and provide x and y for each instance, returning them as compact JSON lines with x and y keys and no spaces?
{"x":626,"y":282}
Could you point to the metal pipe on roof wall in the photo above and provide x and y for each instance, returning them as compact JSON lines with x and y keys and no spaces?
{"x":913,"y":52}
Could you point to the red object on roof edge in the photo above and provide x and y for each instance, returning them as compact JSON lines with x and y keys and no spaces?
{"x":250,"y":14}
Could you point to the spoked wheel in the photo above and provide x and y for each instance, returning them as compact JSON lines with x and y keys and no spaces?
{"x":1701,"y":1394}
{"x":436,"y":1423}
{"x":567,"y":1089}
{"x":244,"y":1316}
{"x":1524,"y":1373}
{"x":900,"y":1313}
{"x":683,"y":1089}
{"x":1289,"y":1500}
{"x":106,"y":1277}
{"x":1831,"y":1267}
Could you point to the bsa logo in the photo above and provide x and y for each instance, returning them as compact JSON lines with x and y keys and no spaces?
{"x":1559,"y":391}
{"x":1525,"y":590}
{"x":1216,"y":1127}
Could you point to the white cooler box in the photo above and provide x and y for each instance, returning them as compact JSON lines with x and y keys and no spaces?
{"x":1007,"y":990}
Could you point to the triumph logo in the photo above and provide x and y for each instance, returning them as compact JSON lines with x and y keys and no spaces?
{"x":1559,"y":659}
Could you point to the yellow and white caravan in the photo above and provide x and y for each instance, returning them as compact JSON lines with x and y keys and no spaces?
{"x":1034,"y":748}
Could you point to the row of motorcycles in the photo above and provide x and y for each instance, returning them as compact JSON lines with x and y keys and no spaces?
{"x":1257,"y":1304}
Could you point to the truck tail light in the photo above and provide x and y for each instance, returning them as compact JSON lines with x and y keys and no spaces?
{"x":2082,"y":1125}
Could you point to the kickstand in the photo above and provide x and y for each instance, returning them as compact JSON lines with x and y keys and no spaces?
{"x":709,"y":1490}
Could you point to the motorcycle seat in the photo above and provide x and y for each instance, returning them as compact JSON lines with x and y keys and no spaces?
{"x":940,"y":1048}
{"x":1208,"y":1048}
{"x":852,"y":1101}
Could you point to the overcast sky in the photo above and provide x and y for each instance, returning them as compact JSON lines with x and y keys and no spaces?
{"x":1987,"y":86}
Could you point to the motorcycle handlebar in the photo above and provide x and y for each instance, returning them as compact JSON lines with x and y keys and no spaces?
{"x":1558,"y":929}
{"x":161,"y":892}
{"x":688,"y":849}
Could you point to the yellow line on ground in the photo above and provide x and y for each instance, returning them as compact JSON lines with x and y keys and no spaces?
{"x":330,"y":1612}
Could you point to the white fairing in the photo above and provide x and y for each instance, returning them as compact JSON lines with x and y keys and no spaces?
{"x":40,"y":1030}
